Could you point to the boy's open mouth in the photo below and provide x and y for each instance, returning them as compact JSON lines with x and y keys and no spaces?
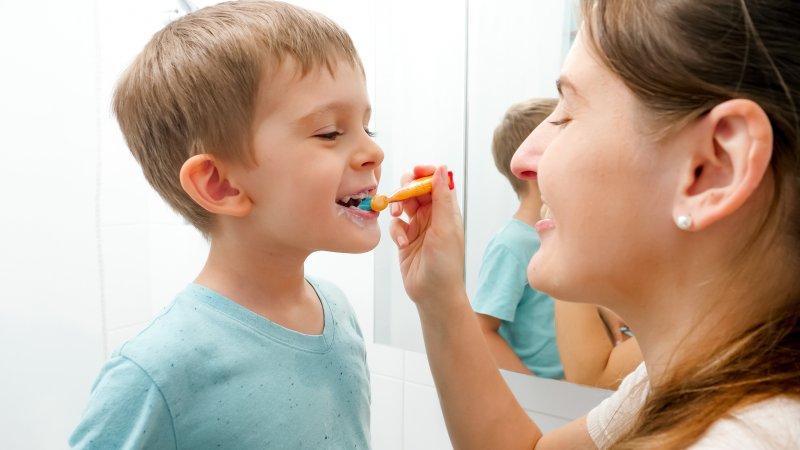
{"x":352,"y":201}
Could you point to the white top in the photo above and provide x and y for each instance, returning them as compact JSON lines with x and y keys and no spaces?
{"x":769,"y":424}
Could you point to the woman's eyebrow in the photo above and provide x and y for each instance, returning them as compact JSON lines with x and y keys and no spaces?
{"x":563,"y":83}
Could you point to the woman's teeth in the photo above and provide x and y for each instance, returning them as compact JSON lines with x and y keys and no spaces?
{"x":544,"y":213}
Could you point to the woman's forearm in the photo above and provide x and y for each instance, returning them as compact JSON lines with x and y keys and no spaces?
{"x":479,"y":409}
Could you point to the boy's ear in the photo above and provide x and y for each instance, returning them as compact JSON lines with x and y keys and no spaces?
{"x":727,"y":165}
{"x":203,"y":178}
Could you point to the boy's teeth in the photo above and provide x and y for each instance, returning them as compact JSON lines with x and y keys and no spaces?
{"x":358,"y":197}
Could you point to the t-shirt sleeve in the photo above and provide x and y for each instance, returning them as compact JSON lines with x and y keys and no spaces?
{"x":125,"y":410}
{"x":614,"y":415}
{"x":501,"y":282}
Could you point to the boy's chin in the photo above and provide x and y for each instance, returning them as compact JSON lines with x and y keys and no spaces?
{"x":364,"y":243}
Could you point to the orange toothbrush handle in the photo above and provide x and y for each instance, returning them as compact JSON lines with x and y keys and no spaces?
{"x":420,"y":186}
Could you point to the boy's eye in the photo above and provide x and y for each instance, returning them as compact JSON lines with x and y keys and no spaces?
{"x":329,"y":136}
{"x":369,"y":133}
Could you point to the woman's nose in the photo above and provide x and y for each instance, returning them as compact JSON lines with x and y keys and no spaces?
{"x":525,"y":162}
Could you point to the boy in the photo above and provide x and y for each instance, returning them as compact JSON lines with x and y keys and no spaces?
{"x":249,"y":119}
{"x":516,"y":320}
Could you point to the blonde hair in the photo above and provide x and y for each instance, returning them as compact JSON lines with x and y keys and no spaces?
{"x":193,"y":87}
{"x":681,"y":59}
{"x":519,"y":121}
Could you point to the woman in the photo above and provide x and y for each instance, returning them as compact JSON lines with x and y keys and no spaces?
{"x":670,"y":173}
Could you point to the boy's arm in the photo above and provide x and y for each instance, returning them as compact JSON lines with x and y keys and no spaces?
{"x":587,"y":353}
{"x":503,"y":355}
{"x":125,"y":410}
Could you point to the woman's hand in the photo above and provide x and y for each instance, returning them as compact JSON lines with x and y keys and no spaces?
{"x":431,"y":243}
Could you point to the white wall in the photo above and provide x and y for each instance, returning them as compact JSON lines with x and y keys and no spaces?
{"x":51,"y":335}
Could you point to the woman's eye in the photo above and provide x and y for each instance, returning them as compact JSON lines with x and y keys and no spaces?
{"x":329,"y":136}
{"x":369,"y":133}
{"x":559,"y":123}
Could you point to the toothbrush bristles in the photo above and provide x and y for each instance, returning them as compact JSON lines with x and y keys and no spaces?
{"x":365,"y":204}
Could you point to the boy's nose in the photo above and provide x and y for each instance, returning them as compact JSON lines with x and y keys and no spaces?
{"x":368,"y":155}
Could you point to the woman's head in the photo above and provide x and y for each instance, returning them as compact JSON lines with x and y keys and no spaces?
{"x":645,"y":87}
{"x":672,"y":108}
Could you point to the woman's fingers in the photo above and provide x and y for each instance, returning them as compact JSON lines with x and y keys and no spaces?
{"x":411,"y":205}
{"x":398,"y":230}
{"x":444,"y":198}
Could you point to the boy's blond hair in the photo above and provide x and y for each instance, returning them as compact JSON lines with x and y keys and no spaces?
{"x":518,"y":122}
{"x":193,"y":88}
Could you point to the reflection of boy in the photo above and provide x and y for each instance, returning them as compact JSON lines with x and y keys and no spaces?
{"x":238,"y":113}
{"x":517,"y":321}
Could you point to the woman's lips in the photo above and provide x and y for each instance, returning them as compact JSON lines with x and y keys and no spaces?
{"x":545,"y":223}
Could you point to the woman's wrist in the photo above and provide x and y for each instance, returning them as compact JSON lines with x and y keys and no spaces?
{"x":445,"y":305}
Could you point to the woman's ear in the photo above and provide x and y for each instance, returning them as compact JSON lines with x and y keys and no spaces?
{"x":726,"y":166}
{"x":203,"y":178}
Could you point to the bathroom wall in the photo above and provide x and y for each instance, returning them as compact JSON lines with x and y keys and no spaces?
{"x":51,"y":328}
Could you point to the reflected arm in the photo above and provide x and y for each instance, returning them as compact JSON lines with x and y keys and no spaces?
{"x":587,"y":353}
{"x":501,"y":351}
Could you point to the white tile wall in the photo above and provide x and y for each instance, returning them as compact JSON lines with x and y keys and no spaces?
{"x":423,"y":424}
{"x":387,"y":413}
{"x":51,"y":330}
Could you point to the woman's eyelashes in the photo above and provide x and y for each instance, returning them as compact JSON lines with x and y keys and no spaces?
{"x":560,"y":122}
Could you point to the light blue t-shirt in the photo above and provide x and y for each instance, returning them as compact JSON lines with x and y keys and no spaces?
{"x":503,"y":292}
{"x":208,"y":373}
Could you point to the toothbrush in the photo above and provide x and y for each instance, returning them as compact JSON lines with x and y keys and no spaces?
{"x":420,"y":186}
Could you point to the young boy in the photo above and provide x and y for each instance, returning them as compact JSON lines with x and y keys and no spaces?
{"x":250,"y":119}
{"x":517,"y":321}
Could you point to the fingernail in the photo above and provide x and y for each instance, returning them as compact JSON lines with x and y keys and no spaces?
{"x":401,"y":242}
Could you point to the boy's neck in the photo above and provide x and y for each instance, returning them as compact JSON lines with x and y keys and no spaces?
{"x":529,"y":210}
{"x":258,"y":279}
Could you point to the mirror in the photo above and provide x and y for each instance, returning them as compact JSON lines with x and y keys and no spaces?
{"x":513,"y":52}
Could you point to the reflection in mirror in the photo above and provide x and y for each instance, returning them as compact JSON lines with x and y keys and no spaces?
{"x":507,"y":66}
{"x":517,"y":321}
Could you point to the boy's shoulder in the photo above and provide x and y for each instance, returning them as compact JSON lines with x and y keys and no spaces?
{"x":517,"y":238}
{"x":185,"y":323}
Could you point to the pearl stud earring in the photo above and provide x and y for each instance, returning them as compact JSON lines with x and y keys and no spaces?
{"x":684,"y":222}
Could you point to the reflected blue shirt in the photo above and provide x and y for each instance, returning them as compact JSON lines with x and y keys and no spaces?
{"x":503,"y":292}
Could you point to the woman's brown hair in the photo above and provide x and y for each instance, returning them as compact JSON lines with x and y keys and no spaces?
{"x":682,"y":58}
